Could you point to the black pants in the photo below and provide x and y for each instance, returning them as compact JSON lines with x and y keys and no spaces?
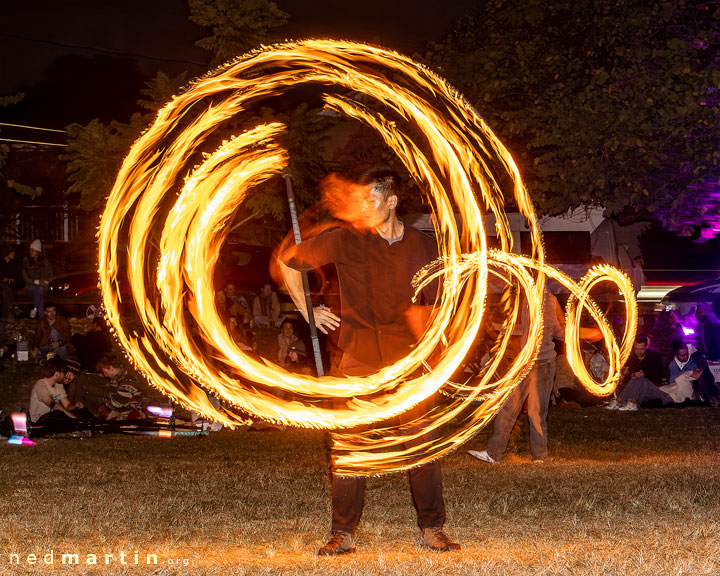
{"x":57,"y":422}
{"x":348,"y":492}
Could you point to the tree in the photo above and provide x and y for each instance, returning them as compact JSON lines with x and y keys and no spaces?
{"x":605,"y":103}
{"x":160,"y":90}
{"x":94,"y":155}
{"x":18,"y":187}
{"x":237,"y":25}
{"x":96,"y":151}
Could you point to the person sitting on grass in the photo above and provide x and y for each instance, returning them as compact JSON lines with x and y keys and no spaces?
{"x":644,"y":362}
{"x":291,"y":353}
{"x":693,"y":362}
{"x":93,"y":345}
{"x":49,"y":405}
{"x":124,"y":402}
{"x":686,"y":374}
{"x":266,"y":307}
{"x":237,"y":304}
{"x":52,"y":335}
{"x":241,"y":333}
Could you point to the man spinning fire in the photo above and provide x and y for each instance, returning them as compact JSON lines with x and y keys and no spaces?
{"x":376,"y":257}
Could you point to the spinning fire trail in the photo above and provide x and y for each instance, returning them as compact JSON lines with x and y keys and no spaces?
{"x":173,"y":242}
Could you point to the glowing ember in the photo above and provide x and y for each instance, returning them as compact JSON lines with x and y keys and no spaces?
{"x":467,"y":173}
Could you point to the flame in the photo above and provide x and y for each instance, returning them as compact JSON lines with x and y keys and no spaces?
{"x":463,"y":169}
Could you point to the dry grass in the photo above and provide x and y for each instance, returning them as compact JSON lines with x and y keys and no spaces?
{"x":624,"y":493}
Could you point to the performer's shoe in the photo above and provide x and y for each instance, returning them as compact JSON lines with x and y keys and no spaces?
{"x":436,"y":539}
{"x":339,"y":543}
{"x":483,"y":456}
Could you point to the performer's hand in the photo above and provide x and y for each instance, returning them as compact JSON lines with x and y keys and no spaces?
{"x":591,"y":334}
{"x":325,"y":319}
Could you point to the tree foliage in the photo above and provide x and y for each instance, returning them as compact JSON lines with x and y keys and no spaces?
{"x":18,"y":187}
{"x":237,"y":25}
{"x":608,"y":103}
{"x":96,"y":151}
{"x":160,"y":90}
{"x":94,"y":155}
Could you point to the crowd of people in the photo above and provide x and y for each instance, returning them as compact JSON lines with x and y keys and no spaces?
{"x":57,"y":404}
{"x":650,"y":380}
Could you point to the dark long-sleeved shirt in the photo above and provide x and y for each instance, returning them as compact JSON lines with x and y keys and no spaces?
{"x":651,"y":365}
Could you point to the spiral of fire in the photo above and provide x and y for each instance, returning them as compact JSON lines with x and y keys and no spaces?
{"x":168,"y":228}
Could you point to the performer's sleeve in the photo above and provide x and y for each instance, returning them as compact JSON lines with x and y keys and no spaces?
{"x":316,"y":252}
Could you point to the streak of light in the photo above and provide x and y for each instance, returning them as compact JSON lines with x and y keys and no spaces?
{"x":170,"y":208}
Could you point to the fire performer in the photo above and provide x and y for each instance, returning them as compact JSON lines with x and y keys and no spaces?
{"x":375,"y":257}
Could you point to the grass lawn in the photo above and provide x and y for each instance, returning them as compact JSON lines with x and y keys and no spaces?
{"x":623,"y":493}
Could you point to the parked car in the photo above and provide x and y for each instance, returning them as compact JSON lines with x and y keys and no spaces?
{"x":244,"y":265}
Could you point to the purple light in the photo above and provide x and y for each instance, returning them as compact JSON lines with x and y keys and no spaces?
{"x":19,"y":421}
{"x":20,"y":441}
{"x":688,"y":331}
{"x":160,"y":411}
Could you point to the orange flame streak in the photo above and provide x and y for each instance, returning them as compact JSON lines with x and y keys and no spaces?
{"x":465,"y":154}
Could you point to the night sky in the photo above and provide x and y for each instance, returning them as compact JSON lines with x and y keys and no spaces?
{"x":80,"y":59}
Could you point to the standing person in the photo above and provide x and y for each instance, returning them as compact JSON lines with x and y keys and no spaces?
{"x":536,"y":388}
{"x":9,"y":275}
{"x":375,"y":261}
{"x":266,"y":307}
{"x":708,"y":331}
{"x":37,"y":273}
{"x":637,"y":274}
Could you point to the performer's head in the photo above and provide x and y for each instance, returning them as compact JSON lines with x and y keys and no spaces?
{"x":381,"y":200}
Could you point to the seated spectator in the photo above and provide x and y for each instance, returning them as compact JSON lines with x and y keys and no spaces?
{"x":9,"y":276}
{"x":694,"y":365}
{"x":3,"y":340}
{"x":237,"y":304}
{"x":49,"y":404}
{"x":93,"y":345}
{"x":221,"y":304}
{"x":642,"y":374}
{"x":69,"y":381}
{"x":684,"y":382}
{"x":291,"y":352}
{"x":37,"y":273}
{"x":644,"y":362}
{"x":124,"y":402}
{"x":52,"y":335}
{"x":266,"y":307}
{"x":241,"y":333}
